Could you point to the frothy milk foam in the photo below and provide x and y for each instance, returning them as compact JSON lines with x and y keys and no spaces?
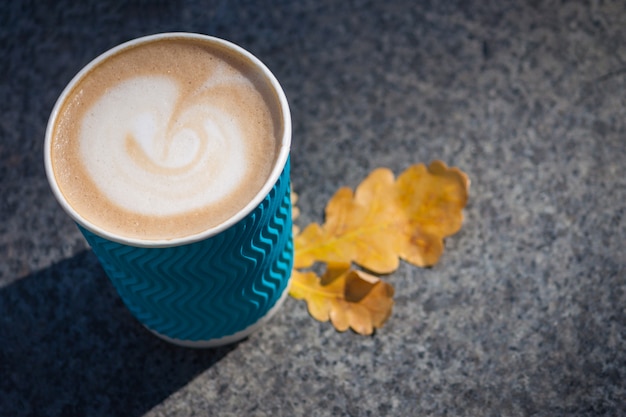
{"x":166,"y":139}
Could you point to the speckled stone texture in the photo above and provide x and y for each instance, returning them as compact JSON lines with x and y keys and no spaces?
{"x":525,"y":315}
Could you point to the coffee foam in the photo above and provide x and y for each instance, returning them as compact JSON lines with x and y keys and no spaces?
{"x":165,"y":140}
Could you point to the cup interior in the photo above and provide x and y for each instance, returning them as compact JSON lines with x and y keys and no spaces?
{"x":280,"y":161}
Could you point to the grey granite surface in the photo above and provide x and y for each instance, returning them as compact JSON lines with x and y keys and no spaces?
{"x":525,"y":315}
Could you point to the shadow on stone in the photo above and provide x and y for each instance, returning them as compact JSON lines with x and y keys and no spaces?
{"x":68,"y":346}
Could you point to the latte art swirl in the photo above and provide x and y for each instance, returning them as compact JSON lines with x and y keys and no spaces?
{"x":161,"y":147}
{"x":166,"y":139}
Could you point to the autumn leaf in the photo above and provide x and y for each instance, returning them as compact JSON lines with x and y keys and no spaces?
{"x":348,"y":298}
{"x":359,"y":228}
{"x":382,"y":221}
{"x":387,"y":219}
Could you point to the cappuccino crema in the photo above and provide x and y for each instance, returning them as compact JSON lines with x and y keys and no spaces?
{"x":166,"y":138}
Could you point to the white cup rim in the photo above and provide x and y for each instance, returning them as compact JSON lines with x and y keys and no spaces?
{"x":281,"y":160}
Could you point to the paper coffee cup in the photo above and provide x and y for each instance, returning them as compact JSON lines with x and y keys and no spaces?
{"x":214,"y":286}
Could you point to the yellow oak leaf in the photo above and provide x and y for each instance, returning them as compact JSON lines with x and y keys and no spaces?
{"x":432,"y":199}
{"x":348,"y":298}
{"x":387,"y":219}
